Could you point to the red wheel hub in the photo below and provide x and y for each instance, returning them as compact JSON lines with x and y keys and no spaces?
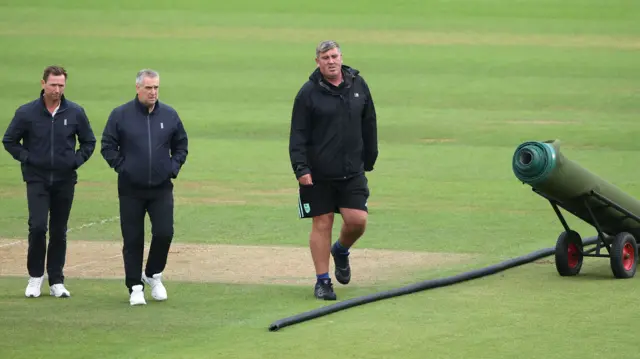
{"x":628,"y":257}
{"x":573,"y":255}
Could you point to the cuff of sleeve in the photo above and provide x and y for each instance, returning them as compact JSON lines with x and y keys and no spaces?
{"x":175,"y":169}
{"x":302,"y":171}
{"x":119,"y":167}
{"x":24,"y":156}
{"x":79,"y":161}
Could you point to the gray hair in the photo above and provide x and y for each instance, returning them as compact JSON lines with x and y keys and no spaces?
{"x":325,"y":46}
{"x":146,"y":73}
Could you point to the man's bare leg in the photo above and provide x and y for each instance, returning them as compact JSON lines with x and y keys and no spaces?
{"x":353,"y":226}
{"x":320,"y":244}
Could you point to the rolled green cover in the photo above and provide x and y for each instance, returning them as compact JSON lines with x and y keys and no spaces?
{"x":542,"y":166}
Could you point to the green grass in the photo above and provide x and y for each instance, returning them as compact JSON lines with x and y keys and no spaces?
{"x":482,"y":75}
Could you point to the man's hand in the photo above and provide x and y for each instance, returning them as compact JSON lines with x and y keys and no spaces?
{"x":305,"y":180}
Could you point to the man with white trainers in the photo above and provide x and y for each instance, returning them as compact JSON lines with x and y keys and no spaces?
{"x":42,"y":137}
{"x":145,"y":142}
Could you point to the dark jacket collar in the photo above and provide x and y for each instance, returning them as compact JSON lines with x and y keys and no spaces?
{"x":348,"y":75}
{"x":140,"y":106}
{"x":63,"y":102}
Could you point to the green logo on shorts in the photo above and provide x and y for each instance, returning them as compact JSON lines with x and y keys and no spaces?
{"x":307,"y":208}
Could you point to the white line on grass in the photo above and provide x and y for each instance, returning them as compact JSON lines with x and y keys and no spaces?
{"x":9,"y":244}
{"x":90,"y":224}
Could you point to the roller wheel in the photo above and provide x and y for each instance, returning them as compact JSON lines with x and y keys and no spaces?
{"x":569,"y":253}
{"x":624,"y":255}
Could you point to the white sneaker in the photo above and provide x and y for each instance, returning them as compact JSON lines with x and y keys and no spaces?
{"x":137,"y":295}
{"x":59,"y":291}
{"x":158,"y":291}
{"x":33,"y":288}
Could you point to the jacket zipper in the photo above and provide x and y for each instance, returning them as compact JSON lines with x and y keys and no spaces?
{"x":342,"y":131}
{"x":149,"y":137}
{"x":346,"y":105}
{"x":52,"y":137}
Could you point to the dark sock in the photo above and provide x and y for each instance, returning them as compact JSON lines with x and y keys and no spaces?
{"x":323,"y":277}
{"x":340,"y":249}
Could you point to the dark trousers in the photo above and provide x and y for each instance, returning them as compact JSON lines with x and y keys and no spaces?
{"x":134,"y":205}
{"x":52,"y":202}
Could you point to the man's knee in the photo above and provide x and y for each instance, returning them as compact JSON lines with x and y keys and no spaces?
{"x":58,"y":230}
{"x":38,"y":229}
{"x":58,"y":233}
{"x":355,"y":220}
{"x":164,"y":232}
{"x":164,"y":235}
{"x":161,"y":216}
{"x":323,"y":222}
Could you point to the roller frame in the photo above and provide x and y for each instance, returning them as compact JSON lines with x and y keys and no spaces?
{"x":583,"y":208}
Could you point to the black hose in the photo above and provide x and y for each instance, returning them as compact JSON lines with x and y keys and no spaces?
{"x":417,"y":287}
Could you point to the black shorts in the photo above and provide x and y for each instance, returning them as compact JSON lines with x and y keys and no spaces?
{"x":329,"y":196}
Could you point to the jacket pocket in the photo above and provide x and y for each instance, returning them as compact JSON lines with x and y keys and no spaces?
{"x":123,"y":169}
{"x":38,"y":161}
{"x":68,"y":161}
{"x":39,"y":144}
{"x":165,"y":169}
{"x":135,"y":171}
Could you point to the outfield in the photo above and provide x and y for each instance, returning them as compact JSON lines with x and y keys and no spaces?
{"x":458,"y":85}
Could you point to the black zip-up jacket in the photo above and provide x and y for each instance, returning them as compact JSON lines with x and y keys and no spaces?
{"x":48,"y":149}
{"x":145,"y":149}
{"x":333,"y":129}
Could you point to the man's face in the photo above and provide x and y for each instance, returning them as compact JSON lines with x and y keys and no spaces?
{"x":148,"y":90}
{"x":330,"y":63}
{"x":54,"y":87}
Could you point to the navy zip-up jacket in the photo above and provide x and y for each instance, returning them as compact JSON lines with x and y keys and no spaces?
{"x":333,"y":129}
{"x":48,"y":152}
{"x":145,"y":149}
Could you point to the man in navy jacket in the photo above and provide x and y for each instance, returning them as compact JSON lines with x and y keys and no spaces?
{"x":42,"y":137}
{"x":145,"y":142}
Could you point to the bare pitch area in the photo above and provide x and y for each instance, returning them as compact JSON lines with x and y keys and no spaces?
{"x":229,"y":263}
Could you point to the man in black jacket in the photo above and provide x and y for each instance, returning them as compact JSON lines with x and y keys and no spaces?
{"x":145,"y":142}
{"x":48,"y":128}
{"x":333,"y":142}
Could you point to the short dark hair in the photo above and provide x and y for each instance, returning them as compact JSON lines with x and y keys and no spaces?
{"x":325,"y":46}
{"x":55,"y":71}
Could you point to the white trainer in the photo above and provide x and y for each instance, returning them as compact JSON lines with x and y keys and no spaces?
{"x":59,"y":291}
{"x":33,"y":287}
{"x":137,"y":295}
{"x":158,"y":291}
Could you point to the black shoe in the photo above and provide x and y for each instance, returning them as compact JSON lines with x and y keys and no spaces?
{"x":324,"y":290}
{"x":342,"y":267}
